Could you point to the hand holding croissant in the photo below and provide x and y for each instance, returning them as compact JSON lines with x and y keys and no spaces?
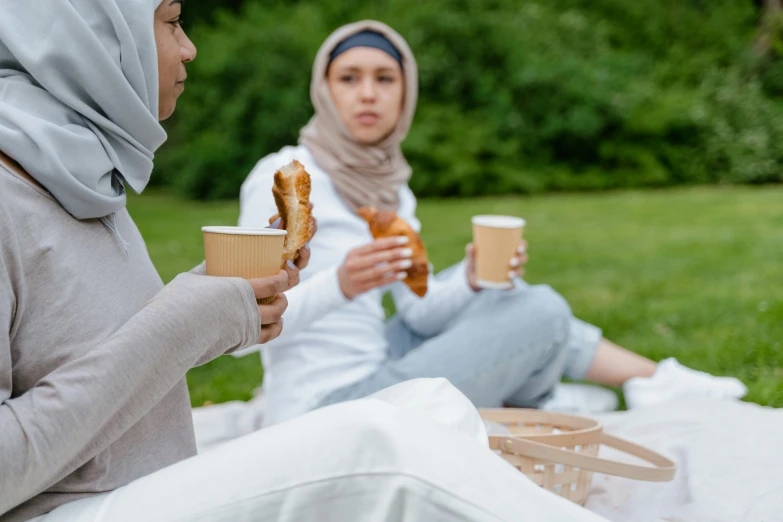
{"x":374,"y":265}
{"x":396,"y":254}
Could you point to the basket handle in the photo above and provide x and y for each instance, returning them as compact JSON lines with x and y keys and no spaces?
{"x":662,"y":472}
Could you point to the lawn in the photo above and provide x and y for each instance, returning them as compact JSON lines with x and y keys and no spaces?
{"x":693,"y":273}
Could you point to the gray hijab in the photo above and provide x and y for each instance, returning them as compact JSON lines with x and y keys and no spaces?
{"x":79,"y":97}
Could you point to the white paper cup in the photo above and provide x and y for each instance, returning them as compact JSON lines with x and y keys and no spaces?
{"x":248,"y":253}
{"x":496,"y":239}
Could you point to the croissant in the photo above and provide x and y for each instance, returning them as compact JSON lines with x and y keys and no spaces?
{"x":292,"y":197}
{"x":388,"y":223}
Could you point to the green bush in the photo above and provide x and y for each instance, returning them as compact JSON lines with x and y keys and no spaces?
{"x":516,"y":96}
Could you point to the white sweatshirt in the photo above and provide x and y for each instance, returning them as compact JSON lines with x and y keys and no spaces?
{"x":329,"y":342}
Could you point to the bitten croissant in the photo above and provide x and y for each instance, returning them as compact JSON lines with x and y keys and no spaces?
{"x":292,"y":197}
{"x":388,"y":223}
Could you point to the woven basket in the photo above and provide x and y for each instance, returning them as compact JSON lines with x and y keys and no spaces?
{"x":559,"y":452}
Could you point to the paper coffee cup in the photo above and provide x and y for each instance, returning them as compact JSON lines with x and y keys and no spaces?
{"x":496,"y":239}
{"x":248,"y":253}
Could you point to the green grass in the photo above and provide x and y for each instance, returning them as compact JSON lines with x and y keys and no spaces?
{"x":692,"y":273}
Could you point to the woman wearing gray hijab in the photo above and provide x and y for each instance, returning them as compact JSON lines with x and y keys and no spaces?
{"x":95,"y":423}
{"x":497,"y":347}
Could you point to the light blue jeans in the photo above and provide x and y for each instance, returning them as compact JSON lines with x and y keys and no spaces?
{"x":507,"y":347}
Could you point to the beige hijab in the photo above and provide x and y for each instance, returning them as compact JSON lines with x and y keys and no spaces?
{"x":362,"y":174}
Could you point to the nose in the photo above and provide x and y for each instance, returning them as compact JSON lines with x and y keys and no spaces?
{"x":187,"y":49}
{"x":368,"y":91}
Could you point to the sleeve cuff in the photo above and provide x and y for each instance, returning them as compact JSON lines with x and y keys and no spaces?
{"x":328,"y":282}
{"x":311,"y":300}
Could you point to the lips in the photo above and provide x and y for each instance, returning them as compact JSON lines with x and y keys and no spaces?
{"x":368,"y":118}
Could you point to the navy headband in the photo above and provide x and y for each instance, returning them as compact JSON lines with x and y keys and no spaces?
{"x":367,"y":39}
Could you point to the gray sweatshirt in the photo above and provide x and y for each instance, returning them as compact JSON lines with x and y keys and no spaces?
{"x":94,"y":351}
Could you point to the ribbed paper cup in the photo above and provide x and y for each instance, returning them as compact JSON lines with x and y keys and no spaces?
{"x":496,"y":239}
{"x":248,"y":253}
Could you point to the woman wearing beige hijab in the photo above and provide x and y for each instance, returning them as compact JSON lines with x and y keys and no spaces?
{"x":497,"y":347}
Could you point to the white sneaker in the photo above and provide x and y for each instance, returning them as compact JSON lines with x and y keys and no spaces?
{"x":580,"y":399}
{"x":674,"y":381}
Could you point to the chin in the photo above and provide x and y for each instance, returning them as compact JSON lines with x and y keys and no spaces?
{"x":165,"y":113}
{"x":369,"y":138}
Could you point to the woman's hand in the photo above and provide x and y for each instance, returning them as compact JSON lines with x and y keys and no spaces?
{"x":303,"y":256}
{"x":271,"y":314}
{"x":294,"y":267}
{"x":516,"y":266}
{"x":376,"y":264}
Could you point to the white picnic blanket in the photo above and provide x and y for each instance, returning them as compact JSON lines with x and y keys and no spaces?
{"x":729,"y":457}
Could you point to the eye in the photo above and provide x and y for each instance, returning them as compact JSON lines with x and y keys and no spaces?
{"x":178,"y":22}
{"x":348,"y":78}
{"x":386,"y":79}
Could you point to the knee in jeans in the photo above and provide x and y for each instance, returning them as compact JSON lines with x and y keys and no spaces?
{"x":549,"y":308}
{"x":549,"y":302}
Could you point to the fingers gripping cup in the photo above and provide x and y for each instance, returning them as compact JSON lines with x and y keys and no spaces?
{"x":496,"y":239}
{"x":248,"y":253}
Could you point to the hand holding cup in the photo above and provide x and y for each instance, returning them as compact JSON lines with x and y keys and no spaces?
{"x":498,"y":252}
{"x":254,"y":255}
{"x":516,"y":265}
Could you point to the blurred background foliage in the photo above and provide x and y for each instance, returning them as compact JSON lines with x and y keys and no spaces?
{"x":517,"y":96}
